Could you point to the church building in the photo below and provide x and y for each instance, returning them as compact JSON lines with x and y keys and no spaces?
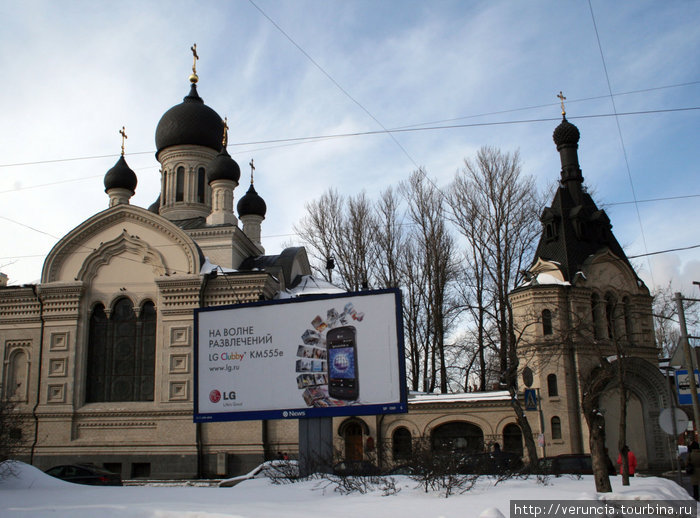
{"x":98,"y":356}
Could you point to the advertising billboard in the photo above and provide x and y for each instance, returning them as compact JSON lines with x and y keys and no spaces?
{"x":328,"y":355}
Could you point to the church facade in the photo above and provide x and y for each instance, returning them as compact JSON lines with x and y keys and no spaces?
{"x":98,"y":357}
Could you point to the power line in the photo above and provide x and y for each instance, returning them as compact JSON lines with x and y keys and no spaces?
{"x":323,"y":71}
{"x":622,"y":140}
{"x":313,"y":138}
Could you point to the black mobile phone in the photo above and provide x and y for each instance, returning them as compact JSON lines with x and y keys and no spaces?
{"x":343,"y":379}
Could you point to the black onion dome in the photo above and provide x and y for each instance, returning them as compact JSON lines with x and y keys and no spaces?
{"x":223,"y":167}
{"x":251,"y":204}
{"x":120,"y":176}
{"x":190,"y":122}
{"x":566,"y":133}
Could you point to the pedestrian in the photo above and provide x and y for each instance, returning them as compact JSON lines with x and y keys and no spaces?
{"x":631,"y":460}
{"x":694,"y":467}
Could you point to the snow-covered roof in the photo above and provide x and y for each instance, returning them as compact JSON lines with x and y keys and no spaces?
{"x":209,"y":267}
{"x":310,"y":285}
{"x":462,"y":397}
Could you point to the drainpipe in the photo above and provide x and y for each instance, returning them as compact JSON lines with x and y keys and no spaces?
{"x":38,"y":394}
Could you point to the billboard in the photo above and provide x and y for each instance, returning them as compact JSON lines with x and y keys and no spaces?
{"x":328,"y":355}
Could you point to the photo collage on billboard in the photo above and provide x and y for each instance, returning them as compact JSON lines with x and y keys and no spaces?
{"x":327,"y":361}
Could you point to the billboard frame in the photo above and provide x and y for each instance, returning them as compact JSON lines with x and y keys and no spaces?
{"x":299,"y":413}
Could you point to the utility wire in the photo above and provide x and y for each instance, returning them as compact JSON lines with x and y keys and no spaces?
{"x":313,"y":138}
{"x":323,"y":71}
{"x":622,"y":140}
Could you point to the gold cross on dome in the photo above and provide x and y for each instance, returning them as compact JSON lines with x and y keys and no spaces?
{"x":195,"y":57}
{"x":252,"y":170}
{"x":122,"y":132}
{"x":224,"y":141}
{"x":562,"y":99}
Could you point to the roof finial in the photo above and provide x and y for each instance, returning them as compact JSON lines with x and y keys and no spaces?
{"x":122,"y":132}
{"x":252,"y":170}
{"x":194,"y":78}
{"x":224,"y":141}
{"x":562,"y":99}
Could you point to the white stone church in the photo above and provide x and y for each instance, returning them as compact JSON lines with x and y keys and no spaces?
{"x":98,"y":356}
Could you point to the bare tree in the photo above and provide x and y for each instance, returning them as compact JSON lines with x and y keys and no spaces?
{"x":12,"y":432}
{"x":427,"y":213}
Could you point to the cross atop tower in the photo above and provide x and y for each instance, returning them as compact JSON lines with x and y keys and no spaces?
{"x":122,"y":132}
{"x":562,"y":99}
{"x":224,"y":141}
{"x":194,"y":78}
{"x":252,"y":170}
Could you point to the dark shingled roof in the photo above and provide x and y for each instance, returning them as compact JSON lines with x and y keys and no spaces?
{"x":573,"y":227}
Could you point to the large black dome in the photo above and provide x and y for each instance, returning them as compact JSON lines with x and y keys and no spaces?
{"x":251,"y":203}
{"x":191,"y":122}
{"x":120,"y":176}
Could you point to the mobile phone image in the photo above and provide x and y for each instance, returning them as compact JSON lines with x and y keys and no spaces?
{"x":343,"y":379}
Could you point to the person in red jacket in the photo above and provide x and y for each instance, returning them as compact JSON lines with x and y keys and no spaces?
{"x":631,"y":460}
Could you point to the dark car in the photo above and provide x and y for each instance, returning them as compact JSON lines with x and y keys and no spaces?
{"x":355,"y":468}
{"x":85,"y":474}
{"x":491,"y":463}
{"x":570,"y":464}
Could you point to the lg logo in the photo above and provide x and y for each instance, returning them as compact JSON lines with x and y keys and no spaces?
{"x":215,"y":396}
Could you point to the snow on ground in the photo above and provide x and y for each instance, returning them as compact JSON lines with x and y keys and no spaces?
{"x":32,"y":494}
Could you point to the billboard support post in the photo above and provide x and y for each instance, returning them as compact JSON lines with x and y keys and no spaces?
{"x":315,"y":445}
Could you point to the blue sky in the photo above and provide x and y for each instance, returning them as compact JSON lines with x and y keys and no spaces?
{"x":76,"y":72}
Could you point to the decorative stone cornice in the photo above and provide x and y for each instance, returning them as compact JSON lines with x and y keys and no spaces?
{"x":179,"y":295}
{"x":18,"y":305}
{"x":240,"y":288}
{"x":61,"y":300}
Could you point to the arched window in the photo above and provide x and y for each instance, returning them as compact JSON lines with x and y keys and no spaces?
{"x":595,"y":315}
{"x":201,"y":184}
{"x":401,"y":443}
{"x":121,"y":354}
{"x":513,"y":439}
{"x":556,"y":427}
{"x":16,"y":375}
{"x":458,"y":436}
{"x":552,"y":389}
{"x":629,"y":324}
{"x":180,"y":184}
{"x":610,"y":304}
{"x":546,"y":322}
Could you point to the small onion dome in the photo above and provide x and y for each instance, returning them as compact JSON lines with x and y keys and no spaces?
{"x":191,"y":122}
{"x":120,"y":176}
{"x":566,"y":133}
{"x":251,"y":204}
{"x":223,"y":167}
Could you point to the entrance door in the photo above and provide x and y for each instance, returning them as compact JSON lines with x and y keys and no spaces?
{"x":353,"y":442}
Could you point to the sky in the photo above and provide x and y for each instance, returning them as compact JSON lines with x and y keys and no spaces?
{"x":453,"y":75}
{"x":33,"y":493}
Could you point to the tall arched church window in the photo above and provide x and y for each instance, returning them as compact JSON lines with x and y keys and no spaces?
{"x":595,"y":315}
{"x":546,"y":322}
{"x":610,"y":315}
{"x":629,"y":324}
{"x":556,"y":427}
{"x":16,"y":375}
{"x":180,"y":184}
{"x":401,"y":443}
{"x":552,"y":389}
{"x":201,"y":184}
{"x":121,"y":354}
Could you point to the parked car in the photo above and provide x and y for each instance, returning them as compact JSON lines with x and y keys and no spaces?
{"x":355,"y":468}
{"x":491,"y":463}
{"x":85,"y":474}
{"x":570,"y":464}
{"x":279,"y":469}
